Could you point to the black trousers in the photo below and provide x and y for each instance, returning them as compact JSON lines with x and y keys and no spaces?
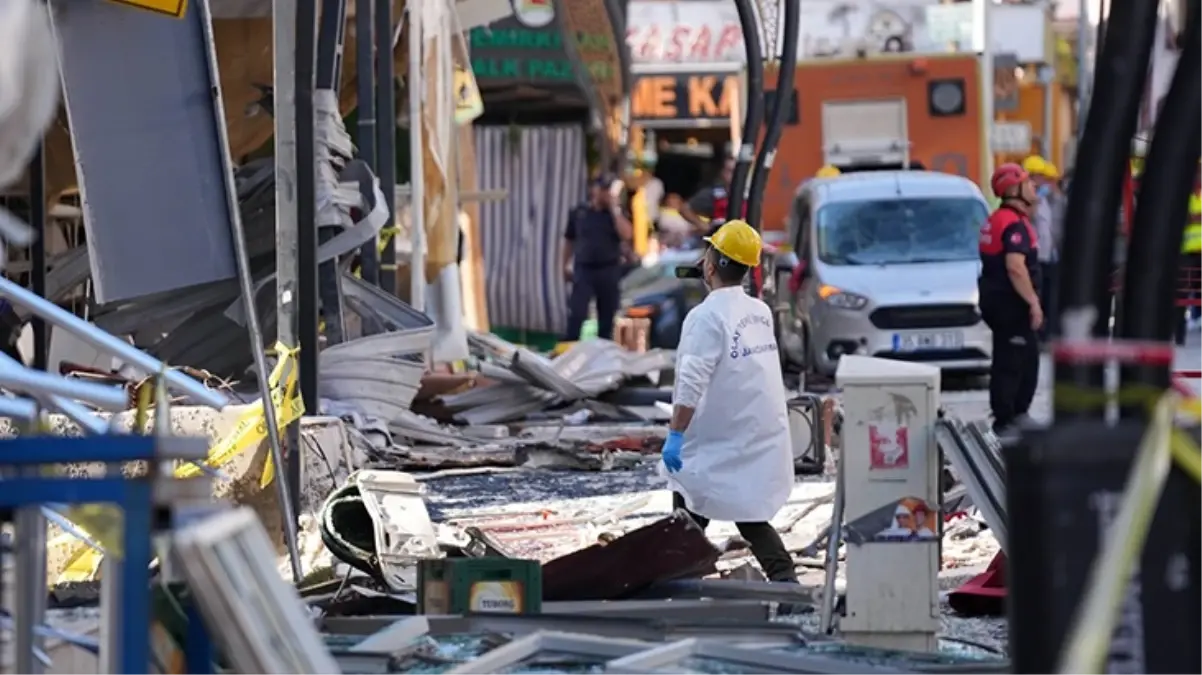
{"x":1014,"y":373}
{"x":601,"y":283}
{"x":766,"y":544}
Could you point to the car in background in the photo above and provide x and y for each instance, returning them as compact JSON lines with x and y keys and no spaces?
{"x":655,"y":291}
{"x":887,"y":266}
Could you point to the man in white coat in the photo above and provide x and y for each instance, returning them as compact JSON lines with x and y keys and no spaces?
{"x":728,"y":453}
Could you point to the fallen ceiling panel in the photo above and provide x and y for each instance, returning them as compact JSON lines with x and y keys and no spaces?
{"x":152,"y":162}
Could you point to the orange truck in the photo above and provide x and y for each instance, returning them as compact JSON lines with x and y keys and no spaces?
{"x":878,"y":112}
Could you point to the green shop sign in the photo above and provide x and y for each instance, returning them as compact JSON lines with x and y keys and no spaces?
{"x":510,"y":51}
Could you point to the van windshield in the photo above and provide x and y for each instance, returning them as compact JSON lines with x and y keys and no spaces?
{"x":900,"y":231}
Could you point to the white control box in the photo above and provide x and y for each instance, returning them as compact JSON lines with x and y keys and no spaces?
{"x":891,"y":468}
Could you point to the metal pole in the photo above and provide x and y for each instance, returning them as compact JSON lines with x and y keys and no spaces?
{"x":386,"y":133}
{"x":1047,"y":75}
{"x":306,"y":226}
{"x":365,"y":41}
{"x":17,"y":377}
{"x":29,"y":538}
{"x":981,"y":44}
{"x":284,"y":17}
{"x":417,"y":190}
{"x":246,"y":283}
{"x":109,"y":343}
{"x":110,"y":614}
{"x":831,"y":565}
{"x":329,"y":44}
{"x":327,"y":77}
{"x":37,"y":254}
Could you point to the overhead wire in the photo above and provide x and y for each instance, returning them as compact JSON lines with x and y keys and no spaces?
{"x":1090,"y":218}
{"x":1149,"y":294}
{"x":778,"y":114}
{"x":745,"y":153}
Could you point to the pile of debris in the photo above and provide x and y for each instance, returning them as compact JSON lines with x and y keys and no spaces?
{"x":515,"y":408}
{"x":618,"y":576}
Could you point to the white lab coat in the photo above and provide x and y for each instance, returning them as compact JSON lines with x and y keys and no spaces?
{"x":738,"y":463}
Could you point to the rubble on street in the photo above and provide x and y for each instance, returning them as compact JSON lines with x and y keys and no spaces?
{"x":518,"y":463}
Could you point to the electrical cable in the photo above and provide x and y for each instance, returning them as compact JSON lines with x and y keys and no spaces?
{"x":778,"y":115}
{"x":1149,"y":303}
{"x":1097,"y":190}
{"x":755,"y":108}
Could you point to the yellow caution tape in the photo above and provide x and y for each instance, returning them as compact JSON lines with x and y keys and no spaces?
{"x":103,"y":522}
{"x":1086,"y":646}
{"x":251,"y":427}
{"x":386,"y":236}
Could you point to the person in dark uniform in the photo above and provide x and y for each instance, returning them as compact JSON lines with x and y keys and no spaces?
{"x":592,"y":258}
{"x":1009,"y":295}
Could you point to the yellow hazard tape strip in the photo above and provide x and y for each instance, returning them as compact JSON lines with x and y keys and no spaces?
{"x":103,"y":523}
{"x":1165,"y":443}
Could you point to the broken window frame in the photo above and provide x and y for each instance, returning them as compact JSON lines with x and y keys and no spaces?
{"x":650,"y":630}
{"x":665,"y":656}
{"x":514,"y":653}
{"x":228,"y":556}
{"x":970,"y":457}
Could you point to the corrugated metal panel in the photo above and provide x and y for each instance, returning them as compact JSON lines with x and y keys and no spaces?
{"x":151,"y":165}
{"x":544,"y":173}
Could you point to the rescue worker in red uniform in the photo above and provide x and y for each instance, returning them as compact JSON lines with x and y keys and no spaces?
{"x":707,"y":209}
{"x":1009,"y":295}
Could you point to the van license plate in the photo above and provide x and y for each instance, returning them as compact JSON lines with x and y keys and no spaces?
{"x":917,"y":342}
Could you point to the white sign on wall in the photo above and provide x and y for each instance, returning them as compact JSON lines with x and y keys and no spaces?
{"x":1011,"y":137}
{"x":683,"y":31}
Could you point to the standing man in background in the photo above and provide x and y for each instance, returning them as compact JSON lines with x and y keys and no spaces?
{"x":653,"y":194}
{"x":592,"y":258}
{"x":1009,"y":295}
{"x":707,"y":208}
{"x":1048,"y":228}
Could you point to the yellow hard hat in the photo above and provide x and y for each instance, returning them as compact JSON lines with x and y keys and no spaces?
{"x":828,"y":171}
{"x":1035,"y":165}
{"x":1051,"y":171}
{"x":738,"y":241}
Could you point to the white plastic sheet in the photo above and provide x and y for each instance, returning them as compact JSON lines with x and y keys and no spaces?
{"x":29,"y":91}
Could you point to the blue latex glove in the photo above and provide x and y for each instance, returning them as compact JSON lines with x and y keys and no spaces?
{"x":671,"y":451}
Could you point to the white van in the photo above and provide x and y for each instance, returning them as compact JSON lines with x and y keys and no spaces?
{"x":887,"y":267}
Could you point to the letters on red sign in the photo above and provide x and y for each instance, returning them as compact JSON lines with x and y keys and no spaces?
{"x":678,"y":42}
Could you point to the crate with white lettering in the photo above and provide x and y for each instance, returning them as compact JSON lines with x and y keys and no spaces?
{"x":464,"y":585}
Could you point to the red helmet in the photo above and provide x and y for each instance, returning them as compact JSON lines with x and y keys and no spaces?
{"x":1005,"y":177}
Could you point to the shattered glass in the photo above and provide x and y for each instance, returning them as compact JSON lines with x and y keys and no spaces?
{"x":708,"y":666}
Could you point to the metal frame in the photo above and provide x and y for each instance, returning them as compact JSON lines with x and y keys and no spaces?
{"x":110,"y":344}
{"x":230,"y":555}
{"x":129,"y":651}
{"x":646,"y":629}
{"x":810,"y":407}
{"x":515,"y":652}
{"x":984,"y":486}
{"x":663,"y":657}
